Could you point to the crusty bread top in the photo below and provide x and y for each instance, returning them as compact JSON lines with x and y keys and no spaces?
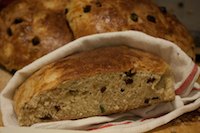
{"x":97,"y":16}
{"x":85,"y":64}
{"x":30,"y":31}
{"x":55,"y":5}
{"x":44,"y":23}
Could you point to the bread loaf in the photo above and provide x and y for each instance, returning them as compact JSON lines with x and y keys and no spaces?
{"x":29,"y":30}
{"x":88,"y":17}
{"x":93,"y":83}
{"x":33,"y":28}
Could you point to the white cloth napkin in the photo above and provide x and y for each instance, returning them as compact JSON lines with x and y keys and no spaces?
{"x":139,"y":120}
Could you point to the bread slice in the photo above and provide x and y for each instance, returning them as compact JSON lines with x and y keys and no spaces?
{"x":98,"y":82}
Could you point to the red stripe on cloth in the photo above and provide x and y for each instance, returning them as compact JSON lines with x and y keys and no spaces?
{"x":111,"y":125}
{"x":198,"y":89}
{"x":187,"y":82}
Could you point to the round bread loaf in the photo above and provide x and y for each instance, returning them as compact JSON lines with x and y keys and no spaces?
{"x":97,"y":16}
{"x":33,"y":28}
{"x":29,"y":31}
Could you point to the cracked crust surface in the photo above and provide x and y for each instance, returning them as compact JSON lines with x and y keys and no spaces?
{"x":29,"y":31}
{"x":88,"y":17}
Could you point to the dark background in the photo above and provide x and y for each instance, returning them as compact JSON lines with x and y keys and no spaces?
{"x":188,"y":12}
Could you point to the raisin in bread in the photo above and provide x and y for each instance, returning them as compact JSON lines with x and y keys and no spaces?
{"x":93,"y":83}
{"x":29,"y":31}
{"x":97,"y":16}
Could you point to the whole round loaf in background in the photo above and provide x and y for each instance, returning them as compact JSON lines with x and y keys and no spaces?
{"x":30,"y":29}
{"x":97,"y":16}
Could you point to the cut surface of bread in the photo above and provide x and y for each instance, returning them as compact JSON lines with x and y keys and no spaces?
{"x":99,"y":82}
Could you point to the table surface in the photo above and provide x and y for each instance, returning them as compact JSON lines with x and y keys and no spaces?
{"x":187,"y":123}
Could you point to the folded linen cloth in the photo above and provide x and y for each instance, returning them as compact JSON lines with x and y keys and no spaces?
{"x":184,"y":70}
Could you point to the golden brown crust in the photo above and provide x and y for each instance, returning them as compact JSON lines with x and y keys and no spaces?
{"x":44,"y":21}
{"x":55,"y":5}
{"x":85,"y":64}
{"x":29,"y":32}
{"x":97,"y":16}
